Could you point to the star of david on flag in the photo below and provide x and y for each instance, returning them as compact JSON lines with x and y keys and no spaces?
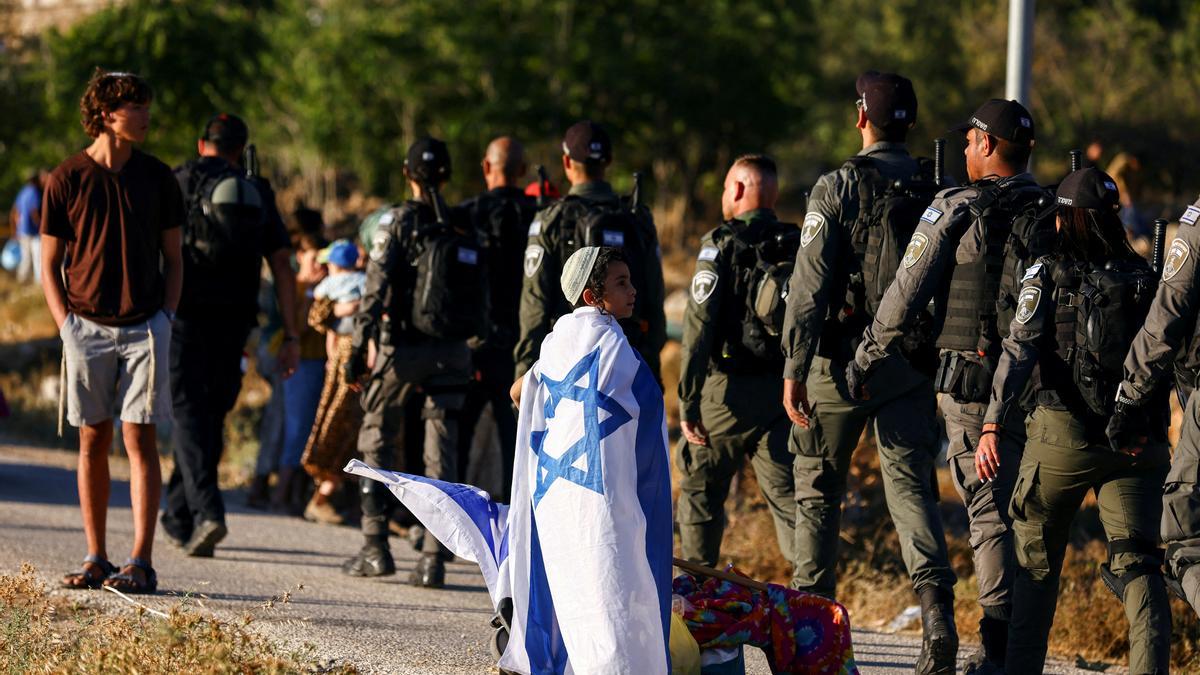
{"x":581,"y":464}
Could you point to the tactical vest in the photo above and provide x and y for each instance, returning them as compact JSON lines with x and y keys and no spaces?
{"x":761,"y":255}
{"x":1099,"y":310}
{"x":1017,"y":222}
{"x":1187,"y":366}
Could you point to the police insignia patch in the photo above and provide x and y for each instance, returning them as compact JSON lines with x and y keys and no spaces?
{"x":1027,"y":304}
{"x":533,"y":259}
{"x":703,"y":285}
{"x":916,"y":248}
{"x":1190,"y":216}
{"x":1177,"y":255}
{"x":813,"y":222}
{"x":379,"y":244}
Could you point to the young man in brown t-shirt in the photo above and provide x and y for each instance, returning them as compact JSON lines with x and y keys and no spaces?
{"x":112,"y":273}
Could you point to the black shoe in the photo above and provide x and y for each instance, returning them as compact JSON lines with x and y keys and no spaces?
{"x":204,"y":539}
{"x":374,"y":560}
{"x":430,"y":572}
{"x":939,"y":639}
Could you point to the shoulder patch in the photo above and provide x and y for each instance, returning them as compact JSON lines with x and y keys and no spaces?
{"x":535,"y":228}
{"x":379,"y":242}
{"x":1190,"y":216}
{"x":931,"y":215}
{"x":1177,"y":255}
{"x":916,"y":249}
{"x":1027,"y":304}
{"x":707,"y":253}
{"x":533,"y":259}
{"x":1031,"y":272}
{"x":703,"y":285}
{"x":813,"y":222}
{"x":387,"y":218}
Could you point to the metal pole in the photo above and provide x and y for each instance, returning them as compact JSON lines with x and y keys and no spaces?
{"x":1020,"y":50}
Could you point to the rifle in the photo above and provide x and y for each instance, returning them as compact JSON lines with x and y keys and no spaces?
{"x":250,"y":161}
{"x":939,"y":161}
{"x":1160,"y":236}
{"x":543,"y":186}
{"x":635,"y":198}
{"x":1076,"y":160}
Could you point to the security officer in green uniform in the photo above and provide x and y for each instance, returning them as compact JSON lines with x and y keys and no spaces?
{"x":857,"y":224}
{"x":729,"y":382}
{"x":408,"y":362}
{"x":590,"y":215}
{"x":1171,"y":337}
{"x":1092,"y":279}
{"x":968,"y":253}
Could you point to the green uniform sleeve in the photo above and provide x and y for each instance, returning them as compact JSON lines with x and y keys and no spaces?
{"x":933,"y":245}
{"x":1172,"y":317}
{"x":700,"y":326}
{"x":384,"y":254}
{"x":541,"y":293}
{"x":1034,"y":319}
{"x":821,"y":243}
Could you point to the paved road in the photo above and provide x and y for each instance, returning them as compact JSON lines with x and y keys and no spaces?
{"x":377,"y":625}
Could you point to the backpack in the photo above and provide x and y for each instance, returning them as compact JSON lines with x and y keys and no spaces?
{"x":762,"y":258}
{"x":888,"y":214}
{"x":226,"y":222}
{"x":450,"y":296}
{"x":620,"y":225}
{"x":503,"y":226}
{"x":1100,"y":310}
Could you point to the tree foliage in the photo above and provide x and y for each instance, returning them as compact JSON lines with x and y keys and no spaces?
{"x":336,"y":89}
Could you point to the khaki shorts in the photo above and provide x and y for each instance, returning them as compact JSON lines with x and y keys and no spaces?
{"x":117,"y":371}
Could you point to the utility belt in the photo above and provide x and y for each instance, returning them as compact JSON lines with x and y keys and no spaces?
{"x":746,"y":364}
{"x":965,"y":379}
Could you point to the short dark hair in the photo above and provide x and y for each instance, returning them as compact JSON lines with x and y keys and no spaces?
{"x":893,"y":133}
{"x":763,"y":164}
{"x":106,"y":92}
{"x":1012,"y":154}
{"x":595,"y":281}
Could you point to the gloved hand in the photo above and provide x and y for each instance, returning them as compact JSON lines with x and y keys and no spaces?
{"x":856,"y":378}
{"x":1127,"y":431}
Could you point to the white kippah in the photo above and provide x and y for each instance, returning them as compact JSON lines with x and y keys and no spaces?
{"x":576,"y":272}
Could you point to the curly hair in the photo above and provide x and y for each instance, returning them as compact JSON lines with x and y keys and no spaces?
{"x":106,"y":91}
{"x":595,"y":282}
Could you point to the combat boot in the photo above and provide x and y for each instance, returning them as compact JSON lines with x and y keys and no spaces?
{"x":374,"y":560}
{"x":939,"y":639}
{"x":990,"y":657}
{"x":430,"y":572}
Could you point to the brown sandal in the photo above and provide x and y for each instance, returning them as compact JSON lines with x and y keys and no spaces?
{"x":127,"y":583}
{"x":85,"y":577}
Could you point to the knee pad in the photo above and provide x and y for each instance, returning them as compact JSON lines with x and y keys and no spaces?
{"x":1150,"y":560}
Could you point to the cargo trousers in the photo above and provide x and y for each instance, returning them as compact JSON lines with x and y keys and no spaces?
{"x":1181,"y":506}
{"x":437,"y":371}
{"x":1064,"y":459}
{"x":902,"y":409}
{"x":744,"y":418}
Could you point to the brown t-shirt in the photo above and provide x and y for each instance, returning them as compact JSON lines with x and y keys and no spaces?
{"x":112,"y":223}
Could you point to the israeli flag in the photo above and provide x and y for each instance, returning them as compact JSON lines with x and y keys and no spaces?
{"x":584,"y":551}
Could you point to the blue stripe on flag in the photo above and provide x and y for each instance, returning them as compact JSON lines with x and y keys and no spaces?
{"x":543,"y":641}
{"x":654,"y":490}
{"x":482,"y":511}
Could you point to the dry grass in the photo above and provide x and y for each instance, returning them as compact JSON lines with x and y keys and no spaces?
{"x":45,"y":633}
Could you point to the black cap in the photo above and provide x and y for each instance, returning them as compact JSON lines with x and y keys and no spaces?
{"x":428,"y":161}
{"x":1089,"y":188}
{"x":888,"y":99}
{"x":587,"y":141}
{"x":226,"y":130}
{"x":1007,"y":120}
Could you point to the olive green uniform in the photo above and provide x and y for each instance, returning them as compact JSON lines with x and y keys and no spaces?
{"x":551,"y":242}
{"x":737,"y":398}
{"x":949,"y":235}
{"x":1169,"y":338}
{"x":1066,"y":455}
{"x":818,"y":340}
